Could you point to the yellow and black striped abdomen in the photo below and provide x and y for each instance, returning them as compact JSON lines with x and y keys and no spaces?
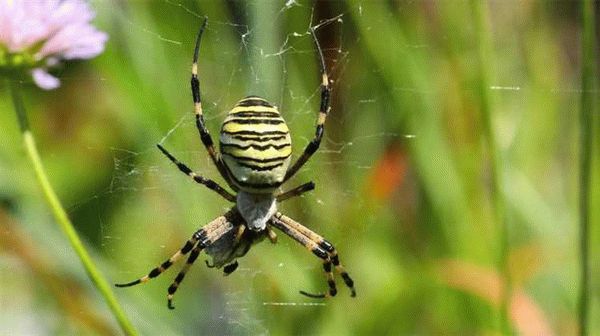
{"x":256,"y":145}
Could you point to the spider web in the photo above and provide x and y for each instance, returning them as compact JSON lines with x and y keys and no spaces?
{"x":136,"y":173}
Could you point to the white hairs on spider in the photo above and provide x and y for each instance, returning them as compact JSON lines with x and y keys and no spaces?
{"x":256,"y":209}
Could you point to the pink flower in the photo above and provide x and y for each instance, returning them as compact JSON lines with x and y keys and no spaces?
{"x":38,"y":34}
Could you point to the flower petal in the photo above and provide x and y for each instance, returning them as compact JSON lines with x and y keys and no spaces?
{"x":75,"y":41}
{"x":44,"y":80}
{"x":61,"y":28}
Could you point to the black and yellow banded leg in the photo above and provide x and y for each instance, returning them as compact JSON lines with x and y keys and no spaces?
{"x":345,"y":276}
{"x":314,"y":144}
{"x":315,"y":249}
{"x":330,"y":282}
{"x":323,"y":244}
{"x":213,"y":231}
{"x":299,"y":190}
{"x":204,"y":134}
{"x":206,"y":235}
{"x":210,"y":184}
{"x":181,"y":275}
{"x":165,"y":265}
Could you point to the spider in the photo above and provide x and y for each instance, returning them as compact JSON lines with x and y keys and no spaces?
{"x":254,"y":160}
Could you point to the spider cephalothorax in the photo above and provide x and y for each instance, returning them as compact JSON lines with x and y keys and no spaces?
{"x":254,"y":160}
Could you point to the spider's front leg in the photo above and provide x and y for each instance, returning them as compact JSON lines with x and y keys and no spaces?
{"x":204,"y":134}
{"x":318,"y":246}
{"x":314,"y":144}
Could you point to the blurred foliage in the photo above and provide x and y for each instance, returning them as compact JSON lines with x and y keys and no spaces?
{"x":403,"y":175}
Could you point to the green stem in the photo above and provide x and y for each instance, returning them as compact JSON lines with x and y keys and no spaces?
{"x":264,"y":79}
{"x":61,"y":216}
{"x":588,"y":108}
{"x":484,"y":53}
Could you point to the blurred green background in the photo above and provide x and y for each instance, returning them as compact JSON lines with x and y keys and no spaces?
{"x":404,"y":175}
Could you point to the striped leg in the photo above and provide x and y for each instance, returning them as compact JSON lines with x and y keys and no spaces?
{"x":210,"y":184}
{"x":165,"y":265}
{"x":204,"y":236}
{"x":216,"y":232}
{"x":181,"y":275}
{"x":204,"y":134}
{"x":330,"y":281}
{"x":323,"y":245}
{"x":312,"y":146}
{"x":342,"y":271}
{"x":306,"y":187}
{"x":327,"y":246}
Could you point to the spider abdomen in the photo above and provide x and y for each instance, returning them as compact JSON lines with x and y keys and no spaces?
{"x":256,"y":145}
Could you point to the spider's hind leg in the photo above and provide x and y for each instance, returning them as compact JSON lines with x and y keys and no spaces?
{"x":181,"y":275}
{"x":214,"y":231}
{"x":167,"y":263}
{"x":319,"y":247}
{"x":345,"y":276}
{"x":330,"y":282}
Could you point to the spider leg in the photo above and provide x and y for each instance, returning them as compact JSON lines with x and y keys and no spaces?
{"x":167,"y":263}
{"x":181,"y":275}
{"x":203,"y":236}
{"x":314,"y":248}
{"x":210,"y":184}
{"x":239,"y":234}
{"x":271,"y":234}
{"x":204,"y":134}
{"x":330,"y":282}
{"x":320,"y":247}
{"x":224,"y":225}
{"x":299,"y":190}
{"x":312,"y":146}
{"x":324,"y":244}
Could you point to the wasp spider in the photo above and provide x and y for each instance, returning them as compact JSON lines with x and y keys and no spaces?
{"x":254,"y":160}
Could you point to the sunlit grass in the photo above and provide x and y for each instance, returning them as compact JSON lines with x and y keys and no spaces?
{"x":589,"y":108}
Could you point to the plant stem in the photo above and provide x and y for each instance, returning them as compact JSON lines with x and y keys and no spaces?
{"x":497,"y":194}
{"x":61,"y":216}
{"x":588,"y":108}
{"x":265,"y":77}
